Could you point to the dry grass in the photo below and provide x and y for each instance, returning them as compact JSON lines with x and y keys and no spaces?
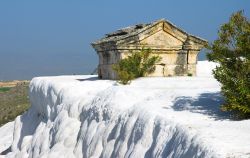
{"x":13,"y":100}
{"x":12,"y":83}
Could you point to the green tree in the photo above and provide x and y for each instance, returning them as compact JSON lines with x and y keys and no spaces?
{"x":138,"y":64}
{"x":232,"y":51}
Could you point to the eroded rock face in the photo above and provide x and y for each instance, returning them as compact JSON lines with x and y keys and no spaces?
{"x":177,"y":48}
{"x":83,"y":117}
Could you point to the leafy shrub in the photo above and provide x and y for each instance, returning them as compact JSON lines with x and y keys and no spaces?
{"x":124,"y":76}
{"x":138,"y":64}
{"x":232,"y":51}
{"x":189,"y":74}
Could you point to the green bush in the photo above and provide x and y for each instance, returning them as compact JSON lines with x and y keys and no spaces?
{"x":138,"y":64}
{"x":232,"y":51}
{"x":125,"y":77}
{"x":189,"y":74}
{"x":4,"y":89}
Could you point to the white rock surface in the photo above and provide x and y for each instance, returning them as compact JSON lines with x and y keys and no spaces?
{"x":6,"y":136}
{"x":81,"y":116}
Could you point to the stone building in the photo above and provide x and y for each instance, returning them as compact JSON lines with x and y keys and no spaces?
{"x":177,"y":48}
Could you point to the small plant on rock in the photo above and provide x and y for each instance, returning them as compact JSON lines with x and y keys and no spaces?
{"x":189,"y":74}
{"x":138,"y":64}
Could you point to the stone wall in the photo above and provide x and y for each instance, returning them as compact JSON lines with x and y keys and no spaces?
{"x":106,"y":60}
{"x":173,"y":63}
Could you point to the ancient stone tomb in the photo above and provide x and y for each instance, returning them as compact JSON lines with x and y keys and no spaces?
{"x":177,"y":48}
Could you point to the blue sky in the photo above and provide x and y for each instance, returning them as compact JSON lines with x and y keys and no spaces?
{"x":52,"y":37}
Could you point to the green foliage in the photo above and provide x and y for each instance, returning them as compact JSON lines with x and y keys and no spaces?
{"x":4,"y":89}
{"x":124,"y":76}
{"x":138,"y":64}
{"x":189,"y":74}
{"x":232,"y":51}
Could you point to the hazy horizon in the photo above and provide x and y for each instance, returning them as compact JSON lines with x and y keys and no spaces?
{"x":43,"y":38}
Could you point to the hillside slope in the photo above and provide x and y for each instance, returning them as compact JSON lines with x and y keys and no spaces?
{"x":81,"y":116}
{"x":13,"y":100}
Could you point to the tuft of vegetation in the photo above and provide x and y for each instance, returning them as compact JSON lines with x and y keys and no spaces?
{"x":138,"y":64}
{"x":13,"y":102}
{"x":232,"y":51}
{"x":4,"y":89}
{"x":189,"y":74}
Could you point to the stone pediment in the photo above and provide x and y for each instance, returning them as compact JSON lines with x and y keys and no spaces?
{"x":157,"y":35}
{"x":162,"y":40}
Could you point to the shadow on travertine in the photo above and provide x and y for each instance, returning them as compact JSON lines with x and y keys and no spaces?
{"x":29,"y":125}
{"x":206,"y":103}
{"x":88,"y":79}
{"x":5,"y":152}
